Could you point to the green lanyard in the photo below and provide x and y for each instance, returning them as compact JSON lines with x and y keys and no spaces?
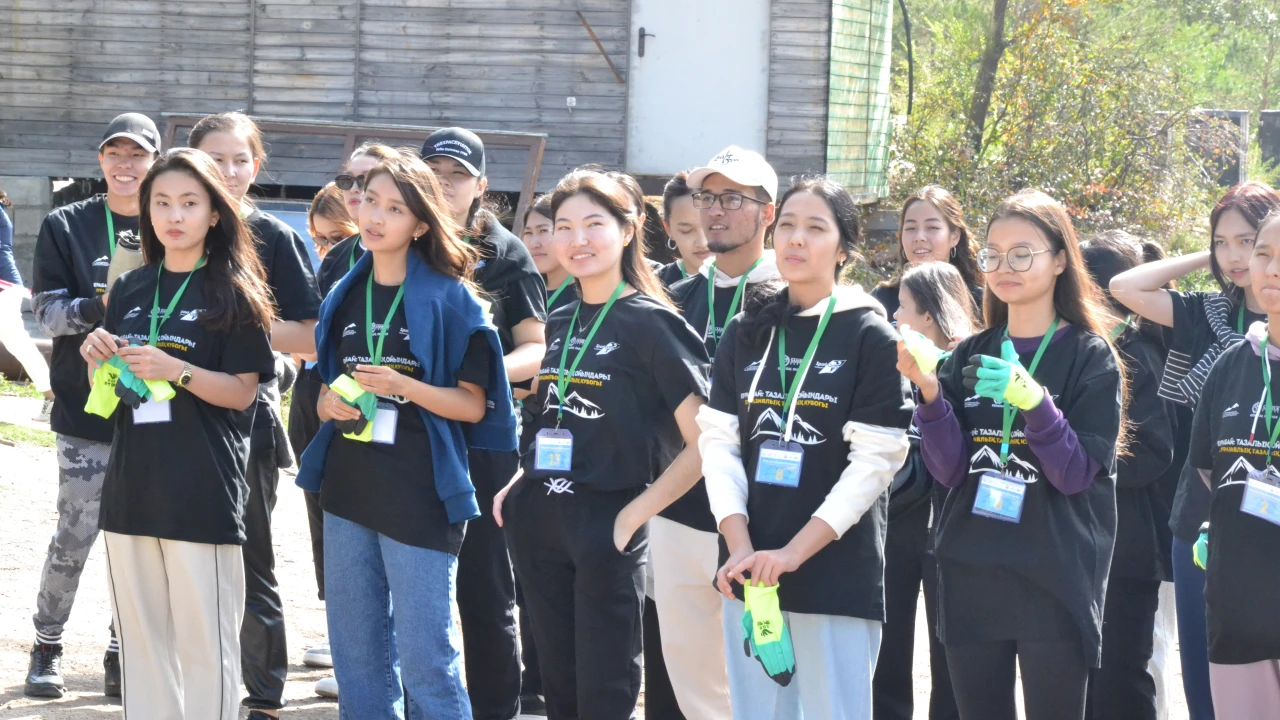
{"x":156,"y":322}
{"x":1266,"y":381}
{"x":111,"y":232}
{"x":683,"y":273}
{"x":562,"y":379}
{"x":552,"y":300}
{"x":1240,"y":321}
{"x":351,"y":258}
{"x":375,"y":354}
{"x":789,"y":403}
{"x":1120,"y":328}
{"x":711,"y":300}
{"x":1009,"y":410}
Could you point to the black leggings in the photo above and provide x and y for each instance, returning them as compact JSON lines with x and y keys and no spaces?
{"x":1054,"y":679}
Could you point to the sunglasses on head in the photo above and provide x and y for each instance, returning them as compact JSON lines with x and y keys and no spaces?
{"x":347,"y":181}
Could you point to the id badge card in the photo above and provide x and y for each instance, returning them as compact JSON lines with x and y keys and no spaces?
{"x":1262,"y":496}
{"x":153,"y":411}
{"x":384,"y":424}
{"x":1000,"y":497}
{"x":779,"y":463}
{"x":553,"y":450}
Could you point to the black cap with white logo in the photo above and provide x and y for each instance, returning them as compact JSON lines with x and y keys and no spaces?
{"x":135,"y":126}
{"x":458,"y":143}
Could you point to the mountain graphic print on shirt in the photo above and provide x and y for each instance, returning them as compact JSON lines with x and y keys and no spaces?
{"x":643,"y":362}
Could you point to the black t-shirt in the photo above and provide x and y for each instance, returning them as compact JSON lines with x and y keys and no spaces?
{"x":183,"y":479}
{"x":293,"y":286}
{"x":381,"y":486}
{"x":693,"y":509}
{"x":853,"y":379}
{"x":1042,"y":578}
{"x":72,"y":255}
{"x":620,"y":406}
{"x":1242,"y":582}
{"x":568,"y":295}
{"x":338,"y":262}
{"x":672,"y":273}
{"x":510,"y":282}
{"x":1188,"y":340}
{"x":1142,"y":531}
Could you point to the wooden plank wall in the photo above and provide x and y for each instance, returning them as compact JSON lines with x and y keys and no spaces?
{"x":68,"y":66}
{"x":799,"y":50}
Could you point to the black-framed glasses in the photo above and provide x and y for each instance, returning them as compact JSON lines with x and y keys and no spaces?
{"x":347,"y":181}
{"x":703,"y":200}
{"x":1019,"y":259}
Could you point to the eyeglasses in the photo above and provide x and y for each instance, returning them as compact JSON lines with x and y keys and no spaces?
{"x":346,"y":181}
{"x":703,"y":200}
{"x":1019,"y":259}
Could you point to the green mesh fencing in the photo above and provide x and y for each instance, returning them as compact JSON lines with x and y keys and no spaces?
{"x":859,"y":123}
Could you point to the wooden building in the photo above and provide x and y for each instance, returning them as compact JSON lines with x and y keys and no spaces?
{"x":651,"y":86}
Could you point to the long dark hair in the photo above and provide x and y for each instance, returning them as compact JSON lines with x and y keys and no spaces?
{"x":605,"y":190}
{"x":1076,"y":297}
{"x":940,"y":290}
{"x":964,"y":256}
{"x":236,"y":123}
{"x":541,"y":205}
{"x":1112,"y":252}
{"x":236,"y":291}
{"x":1254,"y":200}
{"x":770,"y":306}
{"x":441,"y":246}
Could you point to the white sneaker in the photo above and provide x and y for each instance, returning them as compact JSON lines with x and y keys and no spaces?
{"x":318,"y":656}
{"x":327,"y":687}
{"x":45,"y":409}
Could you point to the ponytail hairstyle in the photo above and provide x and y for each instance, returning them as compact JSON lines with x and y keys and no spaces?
{"x":965,"y":253}
{"x":940,"y":290}
{"x":1076,"y":297}
{"x":236,"y":291}
{"x":1254,"y":200}
{"x":770,"y":305}
{"x":1110,"y":253}
{"x":441,"y":246}
{"x":609,"y":192}
{"x":236,"y":123}
{"x":332,"y":206}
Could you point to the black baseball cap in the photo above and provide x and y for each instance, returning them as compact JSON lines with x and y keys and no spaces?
{"x":458,"y":143}
{"x":135,"y":126}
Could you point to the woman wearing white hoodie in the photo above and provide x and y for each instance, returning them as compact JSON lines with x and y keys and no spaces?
{"x":797,"y":460}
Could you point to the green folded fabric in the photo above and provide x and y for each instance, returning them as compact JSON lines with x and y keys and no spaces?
{"x":769,"y":636}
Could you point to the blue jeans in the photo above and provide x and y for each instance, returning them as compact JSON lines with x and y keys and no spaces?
{"x":368,"y":634}
{"x":1193,"y":636}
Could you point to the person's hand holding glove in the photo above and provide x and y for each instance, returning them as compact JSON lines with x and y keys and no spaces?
{"x":927,"y":354}
{"x":765,"y":635}
{"x":1003,"y":378}
{"x":352,"y":394}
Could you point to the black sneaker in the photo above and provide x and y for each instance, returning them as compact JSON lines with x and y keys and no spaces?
{"x":259,"y":715}
{"x":111,"y":674}
{"x":44,"y":675}
{"x":532,"y":706}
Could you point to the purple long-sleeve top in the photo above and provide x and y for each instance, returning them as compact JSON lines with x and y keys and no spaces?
{"x":1064,"y":462}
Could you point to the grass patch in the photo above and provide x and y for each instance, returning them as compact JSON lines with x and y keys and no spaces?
{"x":18,"y":389}
{"x":22,"y":436}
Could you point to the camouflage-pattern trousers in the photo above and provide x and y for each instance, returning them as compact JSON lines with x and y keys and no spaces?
{"x":82,"y":467}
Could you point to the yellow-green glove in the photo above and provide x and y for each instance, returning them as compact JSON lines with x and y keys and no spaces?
{"x":160,"y":389}
{"x":1003,"y":378}
{"x":767,"y":634}
{"x":103,"y":399}
{"x":360,"y":429}
{"x":927,"y":354}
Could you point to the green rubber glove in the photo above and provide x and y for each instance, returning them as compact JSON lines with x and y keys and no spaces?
{"x":927,"y":354}
{"x":1003,"y":378}
{"x":360,"y":429}
{"x":770,"y":637}
{"x":1200,"y":551}
{"x":103,"y":399}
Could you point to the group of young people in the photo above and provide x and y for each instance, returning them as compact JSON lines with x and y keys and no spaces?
{"x":618,"y":472}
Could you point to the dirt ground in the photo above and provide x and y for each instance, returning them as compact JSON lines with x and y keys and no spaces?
{"x":28,"y":484}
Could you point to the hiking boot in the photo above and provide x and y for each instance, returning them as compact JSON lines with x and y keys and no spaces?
{"x":44,"y":675}
{"x":111,"y":674}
